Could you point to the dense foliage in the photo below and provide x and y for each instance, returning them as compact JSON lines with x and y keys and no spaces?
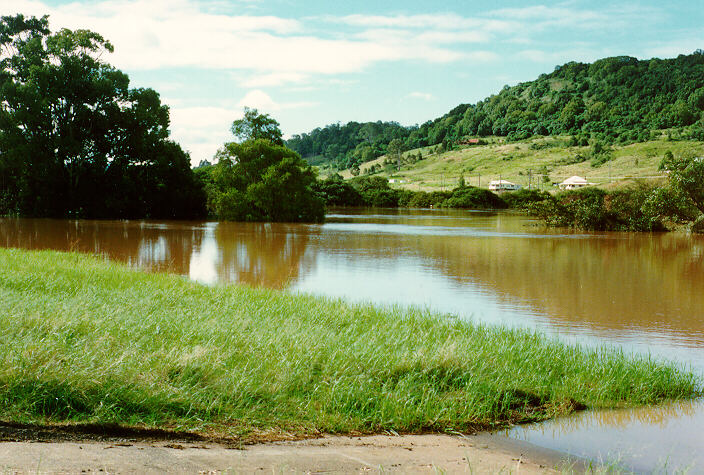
{"x":347,"y":145}
{"x":613,"y":100}
{"x":260,"y":179}
{"x":375,"y":191}
{"x":680,"y":201}
{"x":524,"y":198}
{"x":337,"y":192}
{"x":597,"y":210}
{"x":75,"y":140}
{"x":255,"y":126}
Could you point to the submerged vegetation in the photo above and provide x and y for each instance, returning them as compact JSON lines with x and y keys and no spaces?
{"x":680,"y":201}
{"x":376,"y":192}
{"x":85,"y":340}
{"x":260,"y":179}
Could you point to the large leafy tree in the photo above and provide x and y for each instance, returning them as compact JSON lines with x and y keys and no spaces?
{"x":75,"y":140}
{"x":255,"y":125}
{"x":259,"y":179}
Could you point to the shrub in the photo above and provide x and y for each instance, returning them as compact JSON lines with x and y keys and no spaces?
{"x":337,"y":192}
{"x":597,"y":210}
{"x":470,"y":197}
{"x":522,"y":198}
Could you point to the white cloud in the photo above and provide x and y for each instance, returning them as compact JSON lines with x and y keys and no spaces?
{"x":202,"y":130}
{"x":421,"y":95}
{"x":274,"y":79}
{"x":154,"y":34}
{"x":258,"y":99}
{"x":542,"y":17}
{"x":674,"y":48}
{"x":441,"y":22}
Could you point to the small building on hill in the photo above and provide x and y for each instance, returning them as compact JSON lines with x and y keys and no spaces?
{"x":574,"y":182}
{"x":503,"y":185}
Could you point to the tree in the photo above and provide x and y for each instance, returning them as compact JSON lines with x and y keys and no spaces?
{"x":257,"y":180}
{"x":254,"y":126}
{"x":685,"y":186}
{"x":75,"y":140}
{"x":396,"y":148}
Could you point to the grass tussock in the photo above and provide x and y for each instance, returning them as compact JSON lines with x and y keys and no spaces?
{"x":83,"y":340}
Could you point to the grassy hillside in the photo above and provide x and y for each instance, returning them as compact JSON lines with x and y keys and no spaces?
{"x":84,"y":340}
{"x":532,"y":160}
{"x":617,"y":100}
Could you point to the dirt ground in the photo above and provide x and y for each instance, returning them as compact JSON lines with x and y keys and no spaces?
{"x":28,"y":450}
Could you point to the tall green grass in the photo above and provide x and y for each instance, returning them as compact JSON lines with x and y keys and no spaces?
{"x":84,"y":340}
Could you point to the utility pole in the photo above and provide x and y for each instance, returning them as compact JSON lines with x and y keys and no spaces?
{"x":530,"y":177}
{"x":479,"y":180}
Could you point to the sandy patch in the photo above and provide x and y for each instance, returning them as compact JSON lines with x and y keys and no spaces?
{"x":483,"y":453}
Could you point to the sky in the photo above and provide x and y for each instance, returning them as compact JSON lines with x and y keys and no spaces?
{"x":313,"y":63}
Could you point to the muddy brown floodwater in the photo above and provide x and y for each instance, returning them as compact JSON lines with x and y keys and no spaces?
{"x":642,"y":292}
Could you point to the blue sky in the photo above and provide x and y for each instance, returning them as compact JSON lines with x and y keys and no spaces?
{"x":311,"y":63}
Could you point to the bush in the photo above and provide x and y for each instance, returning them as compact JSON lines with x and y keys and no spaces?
{"x":597,"y":210}
{"x":521,"y":199}
{"x":470,"y":197}
{"x":375,"y":191}
{"x":698,"y":225}
{"x":337,"y":192}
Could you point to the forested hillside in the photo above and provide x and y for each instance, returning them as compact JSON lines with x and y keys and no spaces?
{"x":613,"y":100}
{"x":349,"y":144}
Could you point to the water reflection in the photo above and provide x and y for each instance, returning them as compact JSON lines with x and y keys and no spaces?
{"x":646,"y":291}
{"x":664,"y":439}
{"x":262,"y":255}
{"x":162,"y":247}
{"x":265,"y":255}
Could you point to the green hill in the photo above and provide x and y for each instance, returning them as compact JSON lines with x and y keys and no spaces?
{"x":613,"y":101}
{"x":540,"y":162}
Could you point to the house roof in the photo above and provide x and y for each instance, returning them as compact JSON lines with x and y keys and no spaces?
{"x":575,"y":180}
{"x":500,"y":182}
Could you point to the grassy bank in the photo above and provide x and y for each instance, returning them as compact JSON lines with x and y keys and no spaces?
{"x":88,"y":341}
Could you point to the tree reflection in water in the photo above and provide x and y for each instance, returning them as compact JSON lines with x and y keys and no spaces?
{"x":267,"y":255}
{"x":152,"y":246}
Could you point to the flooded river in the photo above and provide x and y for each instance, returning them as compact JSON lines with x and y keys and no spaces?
{"x":641,"y":292}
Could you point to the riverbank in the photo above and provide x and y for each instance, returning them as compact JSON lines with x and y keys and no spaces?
{"x":88,"y":341}
{"x":483,"y":453}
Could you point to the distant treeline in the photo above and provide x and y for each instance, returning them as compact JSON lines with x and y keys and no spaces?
{"x":347,"y":145}
{"x":376,"y":192}
{"x":613,"y":100}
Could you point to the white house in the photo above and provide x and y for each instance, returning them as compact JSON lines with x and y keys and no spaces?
{"x":574,"y":182}
{"x":503,"y":185}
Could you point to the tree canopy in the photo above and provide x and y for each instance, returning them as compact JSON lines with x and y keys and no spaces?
{"x":254,"y":126}
{"x":347,"y":145}
{"x":260,"y":179}
{"x":75,"y":140}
